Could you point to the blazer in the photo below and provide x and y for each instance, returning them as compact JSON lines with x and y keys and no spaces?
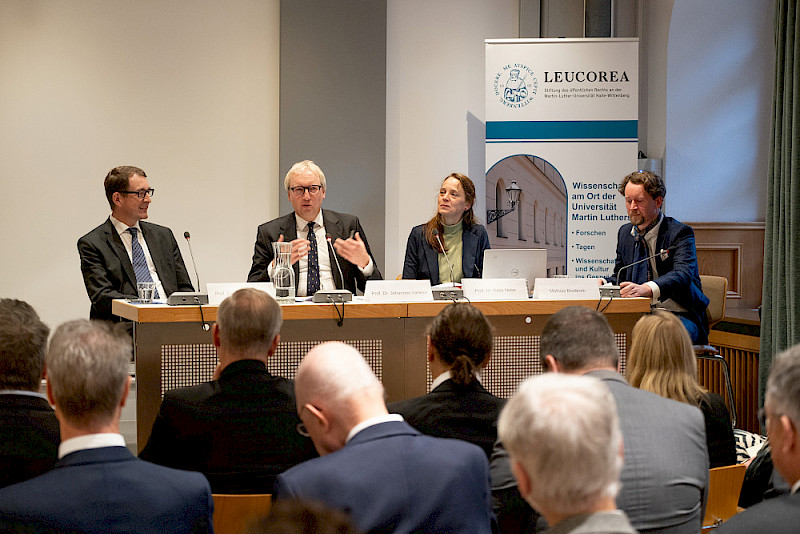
{"x":665,"y":472}
{"x":108,"y":273}
{"x":422,"y":261}
{"x":240,"y":431}
{"x":29,"y":438}
{"x":108,"y":490}
{"x":391,"y":478}
{"x":468,"y":413}
{"x":338,"y":225}
{"x":780,"y":515}
{"x":719,"y":431}
{"x":679,"y":276}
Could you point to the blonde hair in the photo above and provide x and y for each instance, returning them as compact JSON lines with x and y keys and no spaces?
{"x":661,"y":359}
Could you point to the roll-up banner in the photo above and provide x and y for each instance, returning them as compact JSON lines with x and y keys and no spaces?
{"x":562,"y":124}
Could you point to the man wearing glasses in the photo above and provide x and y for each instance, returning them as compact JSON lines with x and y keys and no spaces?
{"x":308,"y":229}
{"x":124,"y":250}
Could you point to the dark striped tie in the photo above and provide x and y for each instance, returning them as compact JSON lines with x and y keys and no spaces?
{"x":312,"y":283}
{"x":140,"y":268}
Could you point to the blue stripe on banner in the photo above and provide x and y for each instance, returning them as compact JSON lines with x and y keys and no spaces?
{"x":562,"y":130}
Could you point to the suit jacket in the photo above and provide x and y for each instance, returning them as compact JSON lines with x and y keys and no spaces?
{"x":240,"y":431}
{"x":468,"y":413}
{"x":422,"y":261}
{"x":665,"y":473}
{"x":337,"y":225}
{"x":719,"y":431}
{"x":391,"y":478}
{"x":679,"y":278}
{"x":598,"y":523}
{"x":29,"y":438}
{"x":108,"y":273}
{"x":107,"y":490}
{"x":780,"y":515}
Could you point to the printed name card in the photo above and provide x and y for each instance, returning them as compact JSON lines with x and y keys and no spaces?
{"x":398,"y":291}
{"x":217,"y":292}
{"x":566,"y":289}
{"x":495,"y":288}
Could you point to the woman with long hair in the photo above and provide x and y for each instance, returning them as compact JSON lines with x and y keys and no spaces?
{"x":455,"y":228}
{"x":458,"y":406}
{"x":661,"y":360}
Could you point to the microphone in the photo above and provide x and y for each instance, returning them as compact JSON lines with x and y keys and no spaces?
{"x":453,"y":293}
{"x":336,"y":295}
{"x":612,"y":290}
{"x":194,"y":265}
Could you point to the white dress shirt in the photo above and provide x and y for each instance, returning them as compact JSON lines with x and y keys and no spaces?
{"x":90,"y":441}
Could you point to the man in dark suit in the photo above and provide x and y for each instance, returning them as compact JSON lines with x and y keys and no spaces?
{"x":672,"y":279}
{"x":240,"y":429}
{"x":665,"y":474}
{"x":781,"y":417}
{"x":124,"y":250}
{"x":385,"y":474}
{"x":97,"y":484}
{"x":314,"y":269}
{"x":29,"y":435}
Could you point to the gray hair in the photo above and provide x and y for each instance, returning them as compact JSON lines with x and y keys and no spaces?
{"x":578,"y":337}
{"x":248,"y":321}
{"x":564,"y":431}
{"x":783,"y":384}
{"x":87,"y":369}
{"x":334,"y":373}
{"x":302,"y":166}
{"x":23,"y":340}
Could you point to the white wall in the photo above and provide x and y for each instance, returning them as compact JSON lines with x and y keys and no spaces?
{"x":720,"y":64}
{"x":435,"y":104}
{"x":185,"y":89}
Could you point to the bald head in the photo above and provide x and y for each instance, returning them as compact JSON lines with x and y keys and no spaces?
{"x":336,"y":390}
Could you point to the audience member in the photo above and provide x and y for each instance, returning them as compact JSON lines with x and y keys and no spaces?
{"x":239,"y":429}
{"x":293,"y":516}
{"x":458,"y":406}
{"x":665,"y":474}
{"x":661,"y":360}
{"x":781,"y":416}
{"x":29,"y":434}
{"x":97,"y":484}
{"x":125,"y":250}
{"x":455,"y":228}
{"x":308,"y":228}
{"x":564,"y":442}
{"x":388,"y":476}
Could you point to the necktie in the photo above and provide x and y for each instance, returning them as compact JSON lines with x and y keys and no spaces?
{"x":312,"y":282}
{"x":140,"y":268}
{"x":640,"y":273}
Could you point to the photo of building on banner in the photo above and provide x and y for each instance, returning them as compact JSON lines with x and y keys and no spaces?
{"x":561,"y":132}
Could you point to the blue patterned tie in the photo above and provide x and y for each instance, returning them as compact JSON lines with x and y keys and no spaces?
{"x":640,"y":273}
{"x":139,"y":261}
{"x":312,"y":282}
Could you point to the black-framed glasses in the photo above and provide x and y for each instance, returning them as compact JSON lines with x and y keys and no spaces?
{"x":141,"y":194}
{"x":300,"y":190}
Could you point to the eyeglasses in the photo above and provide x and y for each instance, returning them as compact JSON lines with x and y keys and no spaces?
{"x":762,"y":418}
{"x":141,"y":194}
{"x":300,"y":190}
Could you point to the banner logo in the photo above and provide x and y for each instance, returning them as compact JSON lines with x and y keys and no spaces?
{"x":515,"y":85}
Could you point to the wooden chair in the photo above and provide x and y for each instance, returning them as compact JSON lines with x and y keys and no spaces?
{"x":716,"y":289}
{"x":724,"y":486}
{"x":233,"y":513}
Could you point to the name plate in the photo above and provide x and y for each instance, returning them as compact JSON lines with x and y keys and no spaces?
{"x":566,"y":289}
{"x":217,"y":292}
{"x":495,"y":288}
{"x":398,"y":291}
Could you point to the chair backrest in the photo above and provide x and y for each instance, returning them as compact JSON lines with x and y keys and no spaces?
{"x":724,"y":486}
{"x":716,"y":289}
{"x":233,"y":513}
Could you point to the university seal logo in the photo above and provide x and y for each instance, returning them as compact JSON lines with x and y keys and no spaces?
{"x":515,"y":85}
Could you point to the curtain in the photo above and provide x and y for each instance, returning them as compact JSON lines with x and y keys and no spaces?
{"x":781,"y":290}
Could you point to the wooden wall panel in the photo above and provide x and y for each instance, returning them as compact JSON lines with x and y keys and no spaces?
{"x":735,"y":251}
